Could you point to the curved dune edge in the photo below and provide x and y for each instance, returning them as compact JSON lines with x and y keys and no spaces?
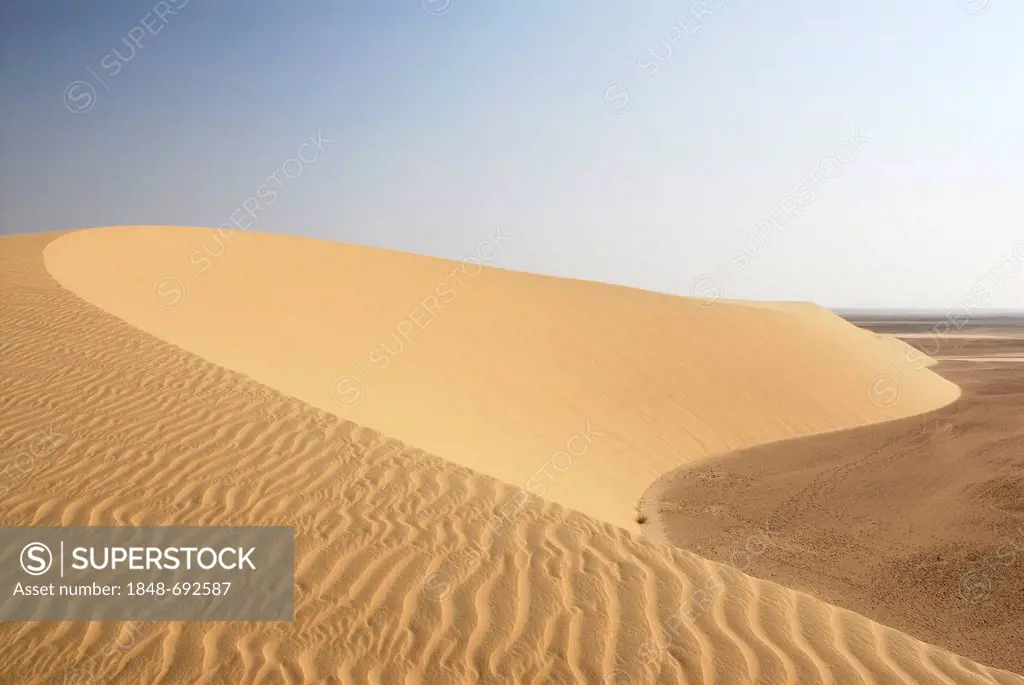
{"x":401,"y":575}
{"x":581,"y":392}
{"x":903,"y":351}
{"x":884,"y":520}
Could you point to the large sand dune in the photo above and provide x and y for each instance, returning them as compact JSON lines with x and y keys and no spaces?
{"x":581,"y":392}
{"x":918,"y":523}
{"x":402,"y":574}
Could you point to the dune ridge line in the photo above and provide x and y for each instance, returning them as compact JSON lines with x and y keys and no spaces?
{"x":582,"y":393}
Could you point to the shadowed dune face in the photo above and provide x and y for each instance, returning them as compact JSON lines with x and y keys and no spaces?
{"x":402,"y":574}
{"x":918,"y":523}
{"x":580,"y":392}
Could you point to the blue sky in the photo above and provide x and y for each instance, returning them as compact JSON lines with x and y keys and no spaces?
{"x":676,"y":146}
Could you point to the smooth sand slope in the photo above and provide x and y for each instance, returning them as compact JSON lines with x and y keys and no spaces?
{"x":402,"y":574}
{"x":580,"y":392}
{"x":918,"y":523}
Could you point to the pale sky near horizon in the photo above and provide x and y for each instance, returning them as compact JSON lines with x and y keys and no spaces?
{"x":634,"y":143}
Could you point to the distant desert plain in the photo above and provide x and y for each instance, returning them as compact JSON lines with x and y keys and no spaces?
{"x":502,"y":477}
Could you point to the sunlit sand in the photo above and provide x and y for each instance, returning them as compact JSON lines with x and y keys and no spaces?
{"x":236,"y":406}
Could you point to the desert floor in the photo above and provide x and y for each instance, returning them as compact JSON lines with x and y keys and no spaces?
{"x":409,"y":568}
{"x":917,"y":523}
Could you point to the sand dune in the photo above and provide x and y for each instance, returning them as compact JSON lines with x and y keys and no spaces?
{"x":582,"y":393}
{"x":403,"y":574}
{"x":905,"y":355}
{"x":918,"y":523}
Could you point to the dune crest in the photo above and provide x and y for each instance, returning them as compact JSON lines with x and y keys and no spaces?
{"x":402,"y":574}
{"x":583,"y":393}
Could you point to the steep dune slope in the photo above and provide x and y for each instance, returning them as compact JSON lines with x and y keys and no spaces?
{"x":403,"y":575}
{"x":582,"y":392}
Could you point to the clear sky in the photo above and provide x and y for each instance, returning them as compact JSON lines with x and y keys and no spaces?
{"x":875,"y":145}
